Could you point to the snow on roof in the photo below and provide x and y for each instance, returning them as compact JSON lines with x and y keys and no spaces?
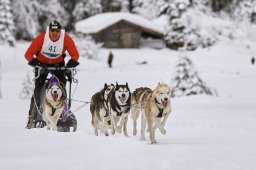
{"x":99,"y":22}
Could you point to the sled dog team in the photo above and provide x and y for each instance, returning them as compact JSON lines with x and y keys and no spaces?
{"x":111,"y":106}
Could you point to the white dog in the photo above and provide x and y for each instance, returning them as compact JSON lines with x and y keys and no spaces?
{"x":155,"y":107}
{"x":52,"y":103}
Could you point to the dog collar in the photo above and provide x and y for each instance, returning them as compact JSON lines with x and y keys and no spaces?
{"x":53,"y":111}
{"x":161,"y":110}
{"x":157,"y":102}
{"x":160,"y":114}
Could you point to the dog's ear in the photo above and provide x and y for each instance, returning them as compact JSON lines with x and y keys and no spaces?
{"x":105,"y":86}
{"x":117,"y":84}
{"x":113,"y":85}
{"x":127,"y":86}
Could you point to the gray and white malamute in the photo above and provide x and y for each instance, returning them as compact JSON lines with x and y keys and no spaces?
{"x":52,"y":103}
{"x":119,"y":104}
{"x":155,"y":108}
{"x":100,"y":111}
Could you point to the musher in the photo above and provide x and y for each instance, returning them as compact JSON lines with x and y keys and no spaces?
{"x":48,"y":50}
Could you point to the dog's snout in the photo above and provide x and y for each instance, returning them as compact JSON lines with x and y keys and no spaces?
{"x":165,"y":99}
{"x":123,"y":95}
{"x":54,"y":91}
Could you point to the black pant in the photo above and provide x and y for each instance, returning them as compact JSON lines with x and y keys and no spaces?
{"x":34,"y":115}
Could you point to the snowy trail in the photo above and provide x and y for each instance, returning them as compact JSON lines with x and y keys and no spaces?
{"x":202,"y":132}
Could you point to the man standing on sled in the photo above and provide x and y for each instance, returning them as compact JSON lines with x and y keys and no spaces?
{"x":48,"y":50}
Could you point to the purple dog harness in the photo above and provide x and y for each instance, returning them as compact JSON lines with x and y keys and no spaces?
{"x":66,"y":113}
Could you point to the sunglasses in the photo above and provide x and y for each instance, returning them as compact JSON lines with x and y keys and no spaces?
{"x":55,"y":30}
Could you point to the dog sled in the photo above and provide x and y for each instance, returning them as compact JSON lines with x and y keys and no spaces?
{"x":67,"y":119}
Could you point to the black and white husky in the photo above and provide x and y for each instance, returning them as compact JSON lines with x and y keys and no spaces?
{"x":52,"y":103}
{"x":119,"y":105}
{"x":100,"y":111}
{"x":54,"y":107}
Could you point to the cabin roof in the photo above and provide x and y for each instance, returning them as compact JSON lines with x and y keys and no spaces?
{"x":101,"y":21}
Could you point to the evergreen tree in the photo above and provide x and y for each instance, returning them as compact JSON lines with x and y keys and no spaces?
{"x":150,"y":9}
{"x":87,"y":46}
{"x":180,"y":34}
{"x":69,"y":7}
{"x":245,"y":11}
{"x":33,"y":16}
{"x":186,"y":80}
{"x":86,"y":8}
{"x":27,"y":88}
{"x":6,"y":23}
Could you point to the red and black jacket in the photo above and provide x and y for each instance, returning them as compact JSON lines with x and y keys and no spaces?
{"x":36,"y":46}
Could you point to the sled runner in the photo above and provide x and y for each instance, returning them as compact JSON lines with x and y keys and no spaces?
{"x":66,"y":119}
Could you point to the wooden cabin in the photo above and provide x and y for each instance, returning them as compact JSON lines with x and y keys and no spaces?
{"x":119,"y":30}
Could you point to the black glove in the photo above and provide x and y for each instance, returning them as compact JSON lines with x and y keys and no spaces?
{"x":72,"y":63}
{"x":34,"y":62}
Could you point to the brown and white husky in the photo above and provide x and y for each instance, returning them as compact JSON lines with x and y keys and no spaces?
{"x":155,"y":108}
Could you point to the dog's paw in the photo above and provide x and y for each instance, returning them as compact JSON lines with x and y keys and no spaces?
{"x":142,"y":138}
{"x":119,"y":129}
{"x":96,"y":132}
{"x":153,"y":140}
{"x":106,"y":134}
{"x":163,"y":131}
{"x":125,"y":133}
{"x":134,"y":132}
{"x":54,"y":128}
{"x":112,"y":131}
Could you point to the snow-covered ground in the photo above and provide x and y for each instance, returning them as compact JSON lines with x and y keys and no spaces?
{"x":203,"y":132}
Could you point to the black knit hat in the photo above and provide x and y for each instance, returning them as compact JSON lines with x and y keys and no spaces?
{"x":54,"y":25}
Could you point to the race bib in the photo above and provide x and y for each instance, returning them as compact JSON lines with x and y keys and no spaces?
{"x":52,"y":49}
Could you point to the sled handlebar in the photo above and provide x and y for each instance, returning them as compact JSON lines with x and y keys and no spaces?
{"x":70,"y":71}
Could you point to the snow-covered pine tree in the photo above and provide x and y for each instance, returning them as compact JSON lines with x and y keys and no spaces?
{"x":245,"y":11}
{"x":6,"y":23}
{"x":27,"y":87}
{"x":180,"y":34}
{"x":86,"y":8}
{"x":184,"y":32}
{"x":87,"y":46}
{"x":150,"y":9}
{"x":33,"y":16}
{"x":186,"y":80}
